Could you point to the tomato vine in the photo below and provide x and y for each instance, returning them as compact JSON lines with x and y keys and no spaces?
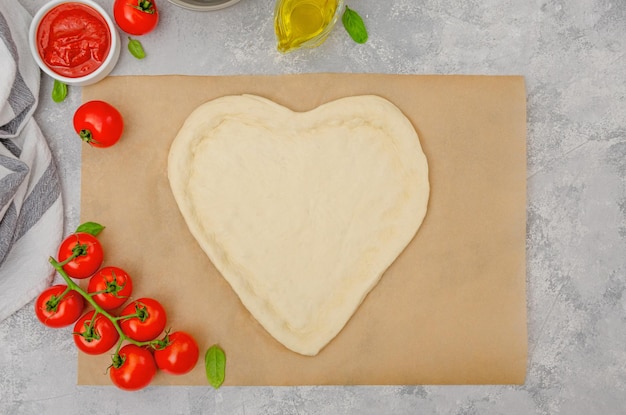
{"x":134,"y":333}
{"x":89,"y":298}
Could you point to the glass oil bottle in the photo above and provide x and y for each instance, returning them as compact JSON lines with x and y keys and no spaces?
{"x":304,"y":23}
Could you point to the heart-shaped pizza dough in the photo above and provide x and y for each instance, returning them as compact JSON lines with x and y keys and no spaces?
{"x":301,"y":212}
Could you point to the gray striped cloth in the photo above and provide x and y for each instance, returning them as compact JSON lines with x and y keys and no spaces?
{"x":31,"y":208}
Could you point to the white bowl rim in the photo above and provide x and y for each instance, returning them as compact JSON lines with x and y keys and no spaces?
{"x":111,"y":55}
{"x":209,"y":7}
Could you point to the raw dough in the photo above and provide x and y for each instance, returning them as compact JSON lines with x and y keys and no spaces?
{"x":300,"y":212}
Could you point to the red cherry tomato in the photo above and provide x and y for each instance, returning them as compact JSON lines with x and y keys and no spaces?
{"x":148,"y":319}
{"x":179,"y":355}
{"x":113,"y":285}
{"x":90,"y":255}
{"x":136,"y":17}
{"x":98,"y":123}
{"x":95,"y":336}
{"x":133,"y":368}
{"x":56,"y":311}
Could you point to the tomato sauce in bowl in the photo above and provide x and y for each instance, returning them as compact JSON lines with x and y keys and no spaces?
{"x":73,"y":39}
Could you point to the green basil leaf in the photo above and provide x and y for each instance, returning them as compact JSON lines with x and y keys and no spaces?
{"x":136,"y":49}
{"x":354,"y":25}
{"x":91,"y":228}
{"x":59,"y":91}
{"x":215,"y":365}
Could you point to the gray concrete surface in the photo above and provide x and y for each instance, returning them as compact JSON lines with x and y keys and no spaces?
{"x":572,"y":54}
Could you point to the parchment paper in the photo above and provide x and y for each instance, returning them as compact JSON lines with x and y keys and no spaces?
{"x":450,"y":310}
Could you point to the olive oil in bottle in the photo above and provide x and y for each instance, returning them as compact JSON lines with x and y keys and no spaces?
{"x":304,"y":23}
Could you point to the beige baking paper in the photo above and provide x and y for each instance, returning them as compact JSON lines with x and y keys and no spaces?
{"x":450,"y":310}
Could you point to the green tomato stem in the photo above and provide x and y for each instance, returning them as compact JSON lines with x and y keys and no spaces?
{"x":145,"y":6}
{"x":92,"y":321}
{"x":63,"y":294}
{"x":54,"y":301}
{"x":71,"y":285}
{"x":67,"y":260}
{"x":126,"y":317}
{"x":68,"y":289}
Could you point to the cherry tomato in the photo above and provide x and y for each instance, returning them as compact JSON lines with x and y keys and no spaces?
{"x":98,"y":123}
{"x":90,"y":255}
{"x":136,"y":17}
{"x":95,"y":336}
{"x":148,"y":319}
{"x":113,"y":285}
{"x":56,"y":311}
{"x":133,"y":368}
{"x":179,"y":355}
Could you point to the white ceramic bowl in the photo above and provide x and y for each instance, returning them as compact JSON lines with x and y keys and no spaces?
{"x":204,"y":5}
{"x":102,"y":71}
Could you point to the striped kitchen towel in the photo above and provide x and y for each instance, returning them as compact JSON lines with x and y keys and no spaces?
{"x":31,"y":208}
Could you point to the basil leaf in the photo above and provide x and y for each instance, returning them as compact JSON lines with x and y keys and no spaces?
{"x":354,"y":25}
{"x":215,"y":365}
{"x":91,"y":228}
{"x":136,"y":49}
{"x":59,"y":91}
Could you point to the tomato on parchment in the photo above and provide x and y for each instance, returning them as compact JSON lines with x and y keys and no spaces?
{"x":95,"y":335}
{"x":98,"y":123}
{"x":59,"y":307}
{"x":136,"y":17}
{"x":88,"y":251}
{"x":133,"y":368}
{"x":178,"y":354}
{"x":143,"y":319}
{"x":110,"y":287}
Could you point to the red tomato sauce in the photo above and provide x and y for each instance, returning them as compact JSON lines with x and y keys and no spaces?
{"x":73,"y":39}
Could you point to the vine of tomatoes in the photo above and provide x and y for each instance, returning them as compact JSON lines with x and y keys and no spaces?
{"x":133,"y":332}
